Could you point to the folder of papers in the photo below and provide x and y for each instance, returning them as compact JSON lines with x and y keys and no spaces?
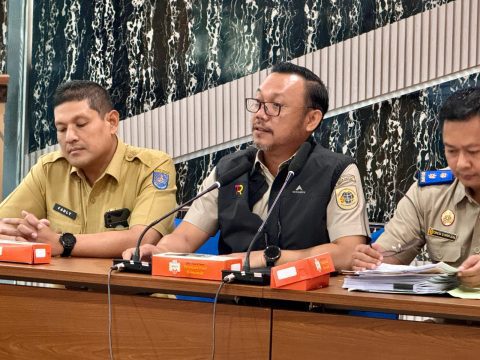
{"x":405,"y":279}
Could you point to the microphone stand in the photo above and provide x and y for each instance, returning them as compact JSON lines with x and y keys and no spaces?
{"x":247,"y":275}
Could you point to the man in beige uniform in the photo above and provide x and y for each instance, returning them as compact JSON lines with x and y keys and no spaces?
{"x":440,"y":211}
{"x":96,"y":195}
{"x":288,"y":107}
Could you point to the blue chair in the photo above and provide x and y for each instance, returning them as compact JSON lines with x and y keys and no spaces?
{"x":209,"y":247}
{"x":376,"y":234}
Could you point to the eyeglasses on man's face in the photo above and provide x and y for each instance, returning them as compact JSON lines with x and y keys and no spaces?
{"x":271,"y":108}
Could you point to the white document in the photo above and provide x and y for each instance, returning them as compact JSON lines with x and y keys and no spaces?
{"x":438,"y":268}
{"x":426,"y":279}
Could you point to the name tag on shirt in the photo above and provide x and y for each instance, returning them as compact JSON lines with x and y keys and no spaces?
{"x":64,"y":211}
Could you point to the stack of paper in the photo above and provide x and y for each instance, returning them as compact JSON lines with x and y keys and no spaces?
{"x":426,"y":279}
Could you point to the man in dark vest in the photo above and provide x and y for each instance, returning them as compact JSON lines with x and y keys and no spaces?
{"x":321,"y":210}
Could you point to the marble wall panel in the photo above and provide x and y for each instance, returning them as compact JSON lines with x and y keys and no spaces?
{"x":152,"y":52}
{"x":3,"y":36}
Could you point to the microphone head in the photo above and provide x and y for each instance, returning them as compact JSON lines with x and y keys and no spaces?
{"x":300,"y":158}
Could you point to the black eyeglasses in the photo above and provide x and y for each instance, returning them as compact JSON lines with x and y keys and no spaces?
{"x":271,"y":108}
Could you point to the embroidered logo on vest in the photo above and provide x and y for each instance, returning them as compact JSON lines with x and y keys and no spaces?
{"x":298,"y":190}
{"x":239,"y":189}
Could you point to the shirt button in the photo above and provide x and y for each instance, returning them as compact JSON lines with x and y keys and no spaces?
{"x":477,"y":250}
{"x":92,"y":201}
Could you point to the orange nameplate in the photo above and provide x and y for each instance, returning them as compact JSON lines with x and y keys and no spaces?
{"x":198,"y":266}
{"x":25,"y":252}
{"x":305,"y":274}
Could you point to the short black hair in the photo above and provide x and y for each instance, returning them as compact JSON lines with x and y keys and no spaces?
{"x":79,"y":90}
{"x":315,"y":91}
{"x":460,"y":106}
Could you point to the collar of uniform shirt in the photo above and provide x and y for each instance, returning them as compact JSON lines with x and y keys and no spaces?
{"x":259,"y":160}
{"x":114,"y":168}
{"x":461,"y":193}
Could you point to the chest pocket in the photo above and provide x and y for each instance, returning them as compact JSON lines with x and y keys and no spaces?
{"x":446,"y":250}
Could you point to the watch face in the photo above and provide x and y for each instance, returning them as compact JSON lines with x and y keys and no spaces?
{"x":272,"y":252}
{"x":68,"y":240}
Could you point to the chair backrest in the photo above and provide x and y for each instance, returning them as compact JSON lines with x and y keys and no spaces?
{"x":210,"y":246}
{"x":376,"y":229}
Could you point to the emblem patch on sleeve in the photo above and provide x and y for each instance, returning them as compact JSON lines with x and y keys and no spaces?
{"x":160,"y":180}
{"x":346,"y":197}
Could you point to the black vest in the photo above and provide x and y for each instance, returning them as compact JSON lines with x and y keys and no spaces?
{"x":299,"y":220}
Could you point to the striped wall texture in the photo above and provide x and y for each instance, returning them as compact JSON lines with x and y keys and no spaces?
{"x":408,"y":54}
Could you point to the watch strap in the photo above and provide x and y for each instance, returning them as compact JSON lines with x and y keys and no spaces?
{"x":68,"y":242}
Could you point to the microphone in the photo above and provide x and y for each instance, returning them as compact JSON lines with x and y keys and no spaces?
{"x":261,"y":277}
{"x":135,"y":264}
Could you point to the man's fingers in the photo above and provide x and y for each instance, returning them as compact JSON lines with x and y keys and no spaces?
{"x":45,"y":222}
{"x":12,"y":221}
{"x":470,"y":281}
{"x":359,"y":265}
{"x":20,"y":238}
{"x":145,"y":253}
{"x":365,"y":257}
{"x":8,"y":230}
{"x":32,"y":220}
{"x":128,"y":254}
{"x":26,"y":231}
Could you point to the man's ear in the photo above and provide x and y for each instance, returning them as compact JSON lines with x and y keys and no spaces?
{"x":113,"y":118}
{"x":314,"y":117}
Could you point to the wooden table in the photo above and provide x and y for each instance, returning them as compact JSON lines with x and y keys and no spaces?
{"x":72,"y":323}
{"x":330,"y":335}
{"x":46,"y":323}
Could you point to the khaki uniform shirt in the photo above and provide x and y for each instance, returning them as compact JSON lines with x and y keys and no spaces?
{"x":140,"y":180}
{"x":444,"y":217}
{"x":342,"y":220}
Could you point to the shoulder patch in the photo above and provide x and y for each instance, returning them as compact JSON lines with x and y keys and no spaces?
{"x":160,"y":180}
{"x":435,"y":177}
{"x":151,"y":158}
{"x":346,"y":179}
{"x":347,"y":197}
{"x":52,"y":157}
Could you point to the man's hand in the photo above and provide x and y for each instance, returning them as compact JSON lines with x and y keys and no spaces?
{"x":146,"y":252}
{"x":8,"y":228}
{"x":469,"y":271}
{"x":257,"y":260}
{"x":33,"y":229}
{"x":366,"y":257}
